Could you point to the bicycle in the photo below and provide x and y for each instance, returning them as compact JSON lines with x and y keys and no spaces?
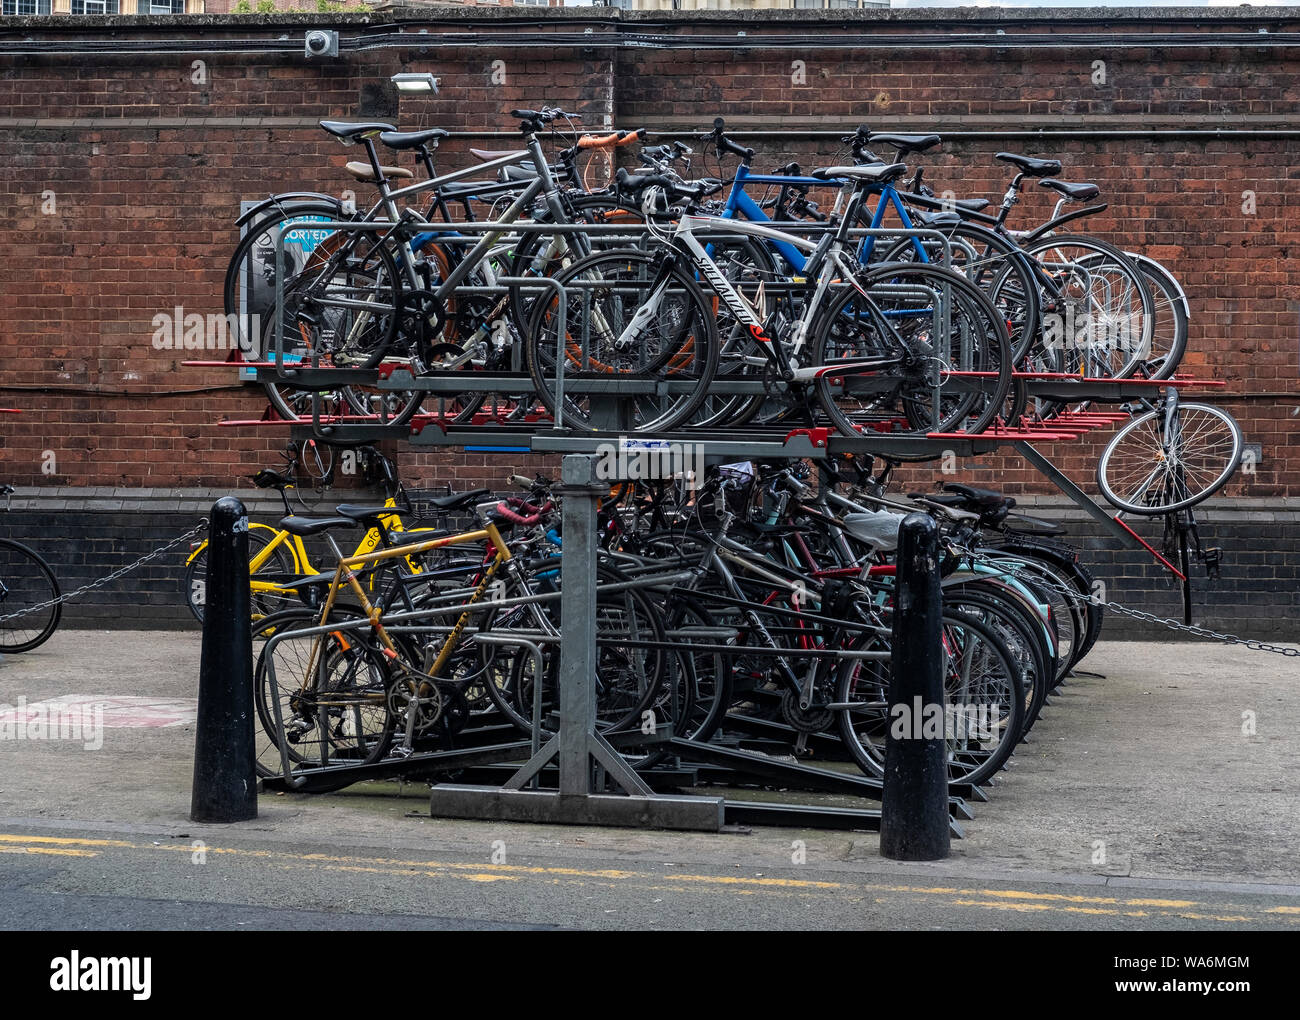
{"x":30,"y":606}
{"x":880,"y":348}
{"x":281,"y":571}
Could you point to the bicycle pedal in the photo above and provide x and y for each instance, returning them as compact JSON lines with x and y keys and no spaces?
{"x":1213,"y":560}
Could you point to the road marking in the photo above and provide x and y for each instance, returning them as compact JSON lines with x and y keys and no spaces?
{"x":59,"y":851}
{"x":60,"y":841}
{"x":1021,"y":900}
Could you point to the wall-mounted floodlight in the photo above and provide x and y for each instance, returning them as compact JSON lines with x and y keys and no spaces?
{"x":414,"y":81}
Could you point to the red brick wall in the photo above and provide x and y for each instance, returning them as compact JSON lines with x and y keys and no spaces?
{"x":144,"y":212}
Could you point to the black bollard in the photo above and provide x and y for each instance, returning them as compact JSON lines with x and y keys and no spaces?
{"x":225,"y":779}
{"x":914,"y":823}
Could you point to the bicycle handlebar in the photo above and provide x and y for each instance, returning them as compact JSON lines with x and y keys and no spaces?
{"x":535,"y":515}
{"x":722,"y":143}
{"x":674,"y":189}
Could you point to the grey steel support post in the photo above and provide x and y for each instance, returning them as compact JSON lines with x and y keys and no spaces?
{"x":578,"y":622}
{"x":914,"y":823}
{"x":225,"y":778}
{"x":578,"y":745}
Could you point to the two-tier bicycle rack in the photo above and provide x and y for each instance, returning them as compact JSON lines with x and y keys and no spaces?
{"x":507,"y":790}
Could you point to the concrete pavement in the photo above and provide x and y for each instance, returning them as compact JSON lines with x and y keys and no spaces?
{"x":1157,"y":795}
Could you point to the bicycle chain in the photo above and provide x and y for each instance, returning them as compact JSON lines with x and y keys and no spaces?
{"x":1138,"y":614}
{"x":121,"y":571}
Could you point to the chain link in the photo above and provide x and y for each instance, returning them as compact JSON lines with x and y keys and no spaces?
{"x":121,"y":571}
{"x":1078,"y":598}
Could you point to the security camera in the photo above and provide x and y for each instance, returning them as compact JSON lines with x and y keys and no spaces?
{"x":321,"y":43}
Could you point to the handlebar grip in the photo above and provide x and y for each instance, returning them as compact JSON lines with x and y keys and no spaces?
{"x":600,"y":141}
{"x":504,"y":510}
{"x":630,"y":136}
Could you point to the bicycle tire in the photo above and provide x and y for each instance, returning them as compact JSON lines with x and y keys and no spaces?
{"x":1021,"y":636}
{"x":371,"y":732}
{"x":26,"y":580}
{"x":1006,"y":277}
{"x":969,"y":768}
{"x":1145,"y":433}
{"x":282,"y":565}
{"x":981,"y":333}
{"x":686,"y":356}
{"x":1067,"y":323}
{"x":1172,"y":325}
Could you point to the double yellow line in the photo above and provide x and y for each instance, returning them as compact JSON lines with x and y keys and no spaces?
{"x":1018,"y":900}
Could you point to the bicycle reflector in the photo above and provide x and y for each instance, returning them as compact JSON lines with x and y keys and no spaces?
{"x":412,"y":81}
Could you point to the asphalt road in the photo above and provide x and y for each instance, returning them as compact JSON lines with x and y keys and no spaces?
{"x":124,"y":881}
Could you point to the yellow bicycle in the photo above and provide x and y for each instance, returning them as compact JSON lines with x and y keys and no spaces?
{"x":280,"y":570}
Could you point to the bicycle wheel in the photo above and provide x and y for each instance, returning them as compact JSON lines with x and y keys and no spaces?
{"x":1151,"y":469}
{"x":333,"y":692}
{"x":348,"y":302}
{"x":673,"y":357}
{"x":1021,"y":633}
{"x":1096,"y":307}
{"x":387,"y":406}
{"x":26,"y":583}
{"x":251,"y":274}
{"x":628,"y":677}
{"x":1170,"y":329}
{"x":935,"y":373}
{"x":541,"y":255}
{"x":996,"y":266}
{"x":1069,"y":618}
{"x":281,"y":567}
{"x":983,"y":704}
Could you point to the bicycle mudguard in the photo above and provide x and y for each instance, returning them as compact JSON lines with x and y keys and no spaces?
{"x":1052,"y":225}
{"x":288,"y":198}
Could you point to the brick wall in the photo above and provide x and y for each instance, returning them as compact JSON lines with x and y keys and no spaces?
{"x":86,"y":535}
{"x":128,"y":170}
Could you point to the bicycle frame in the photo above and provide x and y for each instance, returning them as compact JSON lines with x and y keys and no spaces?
{"x":826,"y":260}
{"x":739,"y":203}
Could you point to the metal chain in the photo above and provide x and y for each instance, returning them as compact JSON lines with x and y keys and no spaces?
{"x":1075,"y":596}
{"x":197,"y":529}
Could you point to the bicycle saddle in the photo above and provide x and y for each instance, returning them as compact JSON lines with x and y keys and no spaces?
{"x":458,"y":500}
{"x":268,"y":479}
{"x":906,"y":143}
{"x":351,"y":132}
{"x":412,"y":139}
{"x":366,"y":174}
{"x":971,"y":204}
{"x":365,"y":514}
{"x":306,"y":526}
{"x":491,"y":154}
{"x":986,"y":498}
{"x":1030,"y":166}
{"x":876,"y":173}
{"x":1074,"y":192}
{"x":939,"y":220}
